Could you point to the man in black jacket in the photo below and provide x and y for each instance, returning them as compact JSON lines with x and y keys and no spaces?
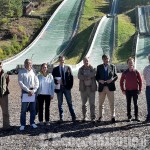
{"x":106,"y":76}
{"x":64,"y":81}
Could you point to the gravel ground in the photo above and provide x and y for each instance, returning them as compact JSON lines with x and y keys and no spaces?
{"x":104,"y":135}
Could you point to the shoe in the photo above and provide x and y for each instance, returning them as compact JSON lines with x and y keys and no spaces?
{"x":74,"y":120}
{"x":129,"y":120}
{"x":83,"y":120}
{"x":147,"y":120}
{"x":7,"y":128}
{"x":41,"y":123}
{"x":47,"y":123}
{"x":113,"y":120}
{"x":99,"y":119}
{"x":60,"y":121}
{"x":34,"y":126}
{"x":137,"y":119}
{"x":22,"y":128}
{"x":93,"y":120}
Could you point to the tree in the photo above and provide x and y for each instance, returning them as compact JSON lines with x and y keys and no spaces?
{"x":10,"y":8}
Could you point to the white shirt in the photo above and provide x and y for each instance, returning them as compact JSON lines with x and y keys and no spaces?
{"x":105,"y":67}
{"x":27,"y":79}
{"x":146,"y":73}
{"x":45,"y":85}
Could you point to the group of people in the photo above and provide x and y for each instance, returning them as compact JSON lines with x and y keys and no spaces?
{"x":38,"y":89}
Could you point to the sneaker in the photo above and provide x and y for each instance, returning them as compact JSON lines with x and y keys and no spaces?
{"x":34,"y":126}
{"x":47,"y":123}
{"x":93,"y":120}
{"x":21,"y":128}
{"x":41,"y":123}
{"x":9,"y":128}
{"x":113,"y":120}
{"x":74,"y":120}
{"x":60,"y":121}
{"x":129,"y":120}
{"x":137,"y":119}
{"x":99,"y":119}
{"x":147,"y":120}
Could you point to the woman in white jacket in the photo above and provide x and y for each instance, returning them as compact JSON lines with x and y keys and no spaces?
{"x":45,"y":93}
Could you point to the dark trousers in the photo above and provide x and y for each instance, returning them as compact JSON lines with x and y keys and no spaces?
{"x":41,"y":100}
{"x":148,"y":101}
{"x":68,"y":96}
{"x":129,"y":95}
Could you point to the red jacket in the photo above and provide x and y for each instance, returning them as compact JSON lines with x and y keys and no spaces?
{"x":131,"y":80}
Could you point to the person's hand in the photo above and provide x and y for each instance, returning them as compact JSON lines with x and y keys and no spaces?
{"x":109,"y":81}
{"x":30,"y":93}
{"x":59,"y":81}
{"x":123,"y":92}
{"x":101,"y":81}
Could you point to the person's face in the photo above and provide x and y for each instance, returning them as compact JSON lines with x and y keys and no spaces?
{"x":131,"y":63}
{"x":44,"y":68}
{"x":62,"y":60}
{"x":106,"y":60}
{"x":86,"y":62}
{"x":28,"y":65}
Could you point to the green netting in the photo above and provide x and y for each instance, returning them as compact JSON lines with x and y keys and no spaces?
{"x":54,"y":39}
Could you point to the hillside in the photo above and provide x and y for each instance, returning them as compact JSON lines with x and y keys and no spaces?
{"x":17,"y":33}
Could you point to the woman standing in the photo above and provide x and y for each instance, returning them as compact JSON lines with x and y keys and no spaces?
{"x":45,"y":93}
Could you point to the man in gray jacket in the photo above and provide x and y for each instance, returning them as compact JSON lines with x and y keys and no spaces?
{"x":87,"y":88}
{"x":4,"y":81}
{"x":29,"y":84}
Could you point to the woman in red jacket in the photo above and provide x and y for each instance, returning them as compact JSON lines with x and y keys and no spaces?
{"x":131,"y":85}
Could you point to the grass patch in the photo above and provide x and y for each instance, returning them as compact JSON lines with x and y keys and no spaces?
{"x":126,"y":32}
{"x":93,"y":9}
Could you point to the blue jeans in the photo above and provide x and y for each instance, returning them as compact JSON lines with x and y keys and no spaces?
{"x":68,"y":97}
{"x":32,"y":109}
{"x":148,"y":101}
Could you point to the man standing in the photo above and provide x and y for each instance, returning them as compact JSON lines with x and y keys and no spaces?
{"x":106,"y":76}
{"x":4,"y":80}
{"x":131,"y":85}
{"x":87,"y":88}
{"x":29,"y":84}
{"x":63,"y":76}
{"x":146,"y":73}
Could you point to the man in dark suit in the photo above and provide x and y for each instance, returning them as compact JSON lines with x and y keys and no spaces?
{"x":64,"y":81}
{"x":106,"y":76}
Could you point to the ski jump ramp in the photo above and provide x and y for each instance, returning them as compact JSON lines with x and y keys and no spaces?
{"x":143,"y":39}
{"x":53,"y":38}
